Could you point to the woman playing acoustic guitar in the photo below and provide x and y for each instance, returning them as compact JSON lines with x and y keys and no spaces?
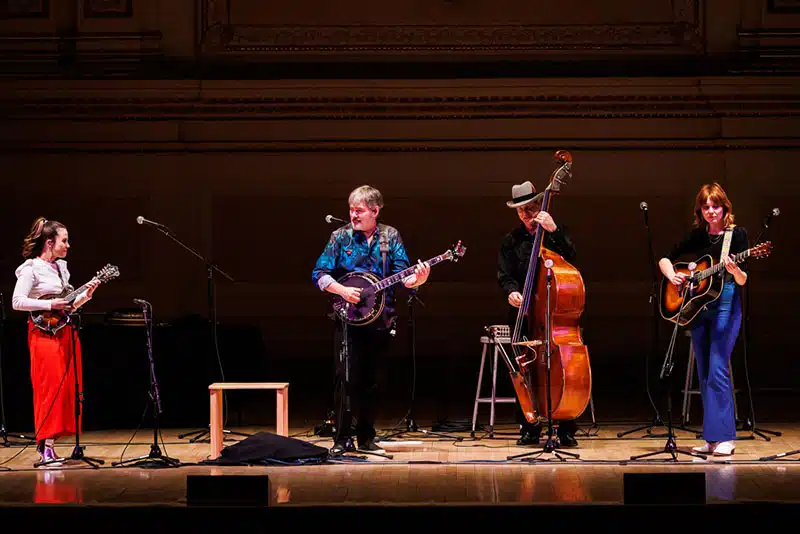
{"x":44,"y":272}
{"x":715,"y":328}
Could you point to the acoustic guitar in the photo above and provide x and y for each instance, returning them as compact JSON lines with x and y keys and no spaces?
{"x":704,"y":288}
{"x":51,"y":321}
{"x":373,"y":296}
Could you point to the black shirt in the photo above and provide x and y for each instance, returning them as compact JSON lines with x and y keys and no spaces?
{"x":698,"y":243}
{"x":515,"y":255}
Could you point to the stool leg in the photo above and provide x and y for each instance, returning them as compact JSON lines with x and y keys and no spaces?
{"x":478,"y":391}
{"x":687,"y":387}
{"x":494,"y":391}
{"x":216,"y":423}
{"x":282,"y":416}
{"x":733,"y":392}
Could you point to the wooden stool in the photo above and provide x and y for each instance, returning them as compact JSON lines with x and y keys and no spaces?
{"x":215,"y":390}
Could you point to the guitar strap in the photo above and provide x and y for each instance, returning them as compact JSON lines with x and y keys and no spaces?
{"x":64,"y":283}
{"x":726,"y":246}
{"x":383,"y":240}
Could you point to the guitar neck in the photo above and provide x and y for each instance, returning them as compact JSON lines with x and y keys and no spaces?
{"x":398,"y":277}
{"x":711,"y":271}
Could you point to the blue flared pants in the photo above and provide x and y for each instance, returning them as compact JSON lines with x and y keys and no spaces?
{"x":714,"y":333}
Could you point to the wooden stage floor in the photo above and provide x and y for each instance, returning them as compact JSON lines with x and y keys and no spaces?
{"x":424,"y":470}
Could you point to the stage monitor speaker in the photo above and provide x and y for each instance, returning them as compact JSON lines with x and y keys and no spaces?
{"x":664,"y":488}
{"x":227,"y":490}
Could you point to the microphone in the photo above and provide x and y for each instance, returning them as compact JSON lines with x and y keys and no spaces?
{"x":141,"y":302}
{"x":330,"y":218}
{"x":643,"y":205}
{"x":142,"y":220}
{"x":774,"y":213}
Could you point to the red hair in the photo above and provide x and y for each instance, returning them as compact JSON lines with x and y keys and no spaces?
{"x":717,"y":195}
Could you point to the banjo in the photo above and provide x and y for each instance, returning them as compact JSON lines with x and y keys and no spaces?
{"x":373,"y":296}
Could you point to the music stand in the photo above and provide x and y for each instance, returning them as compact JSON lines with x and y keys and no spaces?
{"x":77,"y":452}
{"x":551,"y":444}
{"x":345,"y":406}
{"x":155,"y":458}
{"x":654,"y":338}
{"x":670,"y":447}
{"x":212,"y":317}
{"x":4,"y":433}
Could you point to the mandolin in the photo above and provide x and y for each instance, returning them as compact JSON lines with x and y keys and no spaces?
{"x":704,"y":287}
{"x":51,"y":321}
{"x":373,"y":297}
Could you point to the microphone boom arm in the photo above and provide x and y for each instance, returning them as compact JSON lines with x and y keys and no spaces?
{"x":169,"y":233}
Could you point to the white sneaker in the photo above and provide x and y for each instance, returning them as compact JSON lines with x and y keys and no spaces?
{"x":704,"y":449}
{"x":724,"y":448}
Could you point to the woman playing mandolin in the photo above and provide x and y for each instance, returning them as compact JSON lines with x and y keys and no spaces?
{"x":715,"y":328}
{"x":43,"y":273}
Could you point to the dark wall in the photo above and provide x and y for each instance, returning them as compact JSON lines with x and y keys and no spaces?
{"x":244,"y":171}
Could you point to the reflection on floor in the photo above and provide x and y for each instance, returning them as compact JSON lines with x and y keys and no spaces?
{"x":423,"y":469}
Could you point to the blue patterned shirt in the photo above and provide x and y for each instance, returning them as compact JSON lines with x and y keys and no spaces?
{"x":348,"y":251}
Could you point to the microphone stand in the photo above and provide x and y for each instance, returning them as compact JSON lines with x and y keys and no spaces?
{"x":411,"y":424}
{"x":654,"y":341}
{"x":670,"y":447}
{"x":551,"y":444}
{"x":750,"y":422}
{"x":212,"y":317}
{"x":154,"y":458}
{"x":4,"y":434}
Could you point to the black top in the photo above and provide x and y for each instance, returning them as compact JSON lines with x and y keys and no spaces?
{"x":698,"y":243}
{"x":515,"y":255}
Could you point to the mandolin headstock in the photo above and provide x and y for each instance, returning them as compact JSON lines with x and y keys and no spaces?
{"x":109,"y":272}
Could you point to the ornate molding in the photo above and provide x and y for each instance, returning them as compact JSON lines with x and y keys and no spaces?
{"x":442,"y":106}
{"x":328,"y":40}
{"x":220,"y":37}
{"x":401,"y":145}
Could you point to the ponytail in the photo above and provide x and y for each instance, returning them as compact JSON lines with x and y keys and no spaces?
{"x":41,"y":231}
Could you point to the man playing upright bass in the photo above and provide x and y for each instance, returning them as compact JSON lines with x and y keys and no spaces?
{"x":513,"y":261}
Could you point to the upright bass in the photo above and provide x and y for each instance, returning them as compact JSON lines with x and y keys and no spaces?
{"x":570,"y":373}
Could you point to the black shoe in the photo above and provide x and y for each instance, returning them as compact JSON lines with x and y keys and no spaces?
{"x":342,"y":446}
{"x":567,"y":440}
{"x":529,"y":438}
{"x":369,"y":445}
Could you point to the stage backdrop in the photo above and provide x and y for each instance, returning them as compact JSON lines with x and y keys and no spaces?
{"x":244,"y":172}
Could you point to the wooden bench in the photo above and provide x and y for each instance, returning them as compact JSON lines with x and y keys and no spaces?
{"x":215,"y":390}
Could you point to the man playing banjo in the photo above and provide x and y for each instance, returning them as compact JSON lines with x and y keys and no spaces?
{"x":368,"y":247}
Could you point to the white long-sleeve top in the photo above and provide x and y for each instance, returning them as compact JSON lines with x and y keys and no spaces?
{"x":35,"y":278}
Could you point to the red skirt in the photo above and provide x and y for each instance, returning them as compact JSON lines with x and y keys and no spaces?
{"x":53,"y":378}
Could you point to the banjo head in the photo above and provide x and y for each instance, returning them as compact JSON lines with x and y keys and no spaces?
{"x":371,"y":305}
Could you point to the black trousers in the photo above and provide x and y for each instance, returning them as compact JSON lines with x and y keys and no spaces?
{"x":359,"y":372}
{"x":565,"y":427}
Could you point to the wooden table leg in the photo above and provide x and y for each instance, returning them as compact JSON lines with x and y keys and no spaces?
{"x":282,"y":416}
{"x":216,"y":423}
